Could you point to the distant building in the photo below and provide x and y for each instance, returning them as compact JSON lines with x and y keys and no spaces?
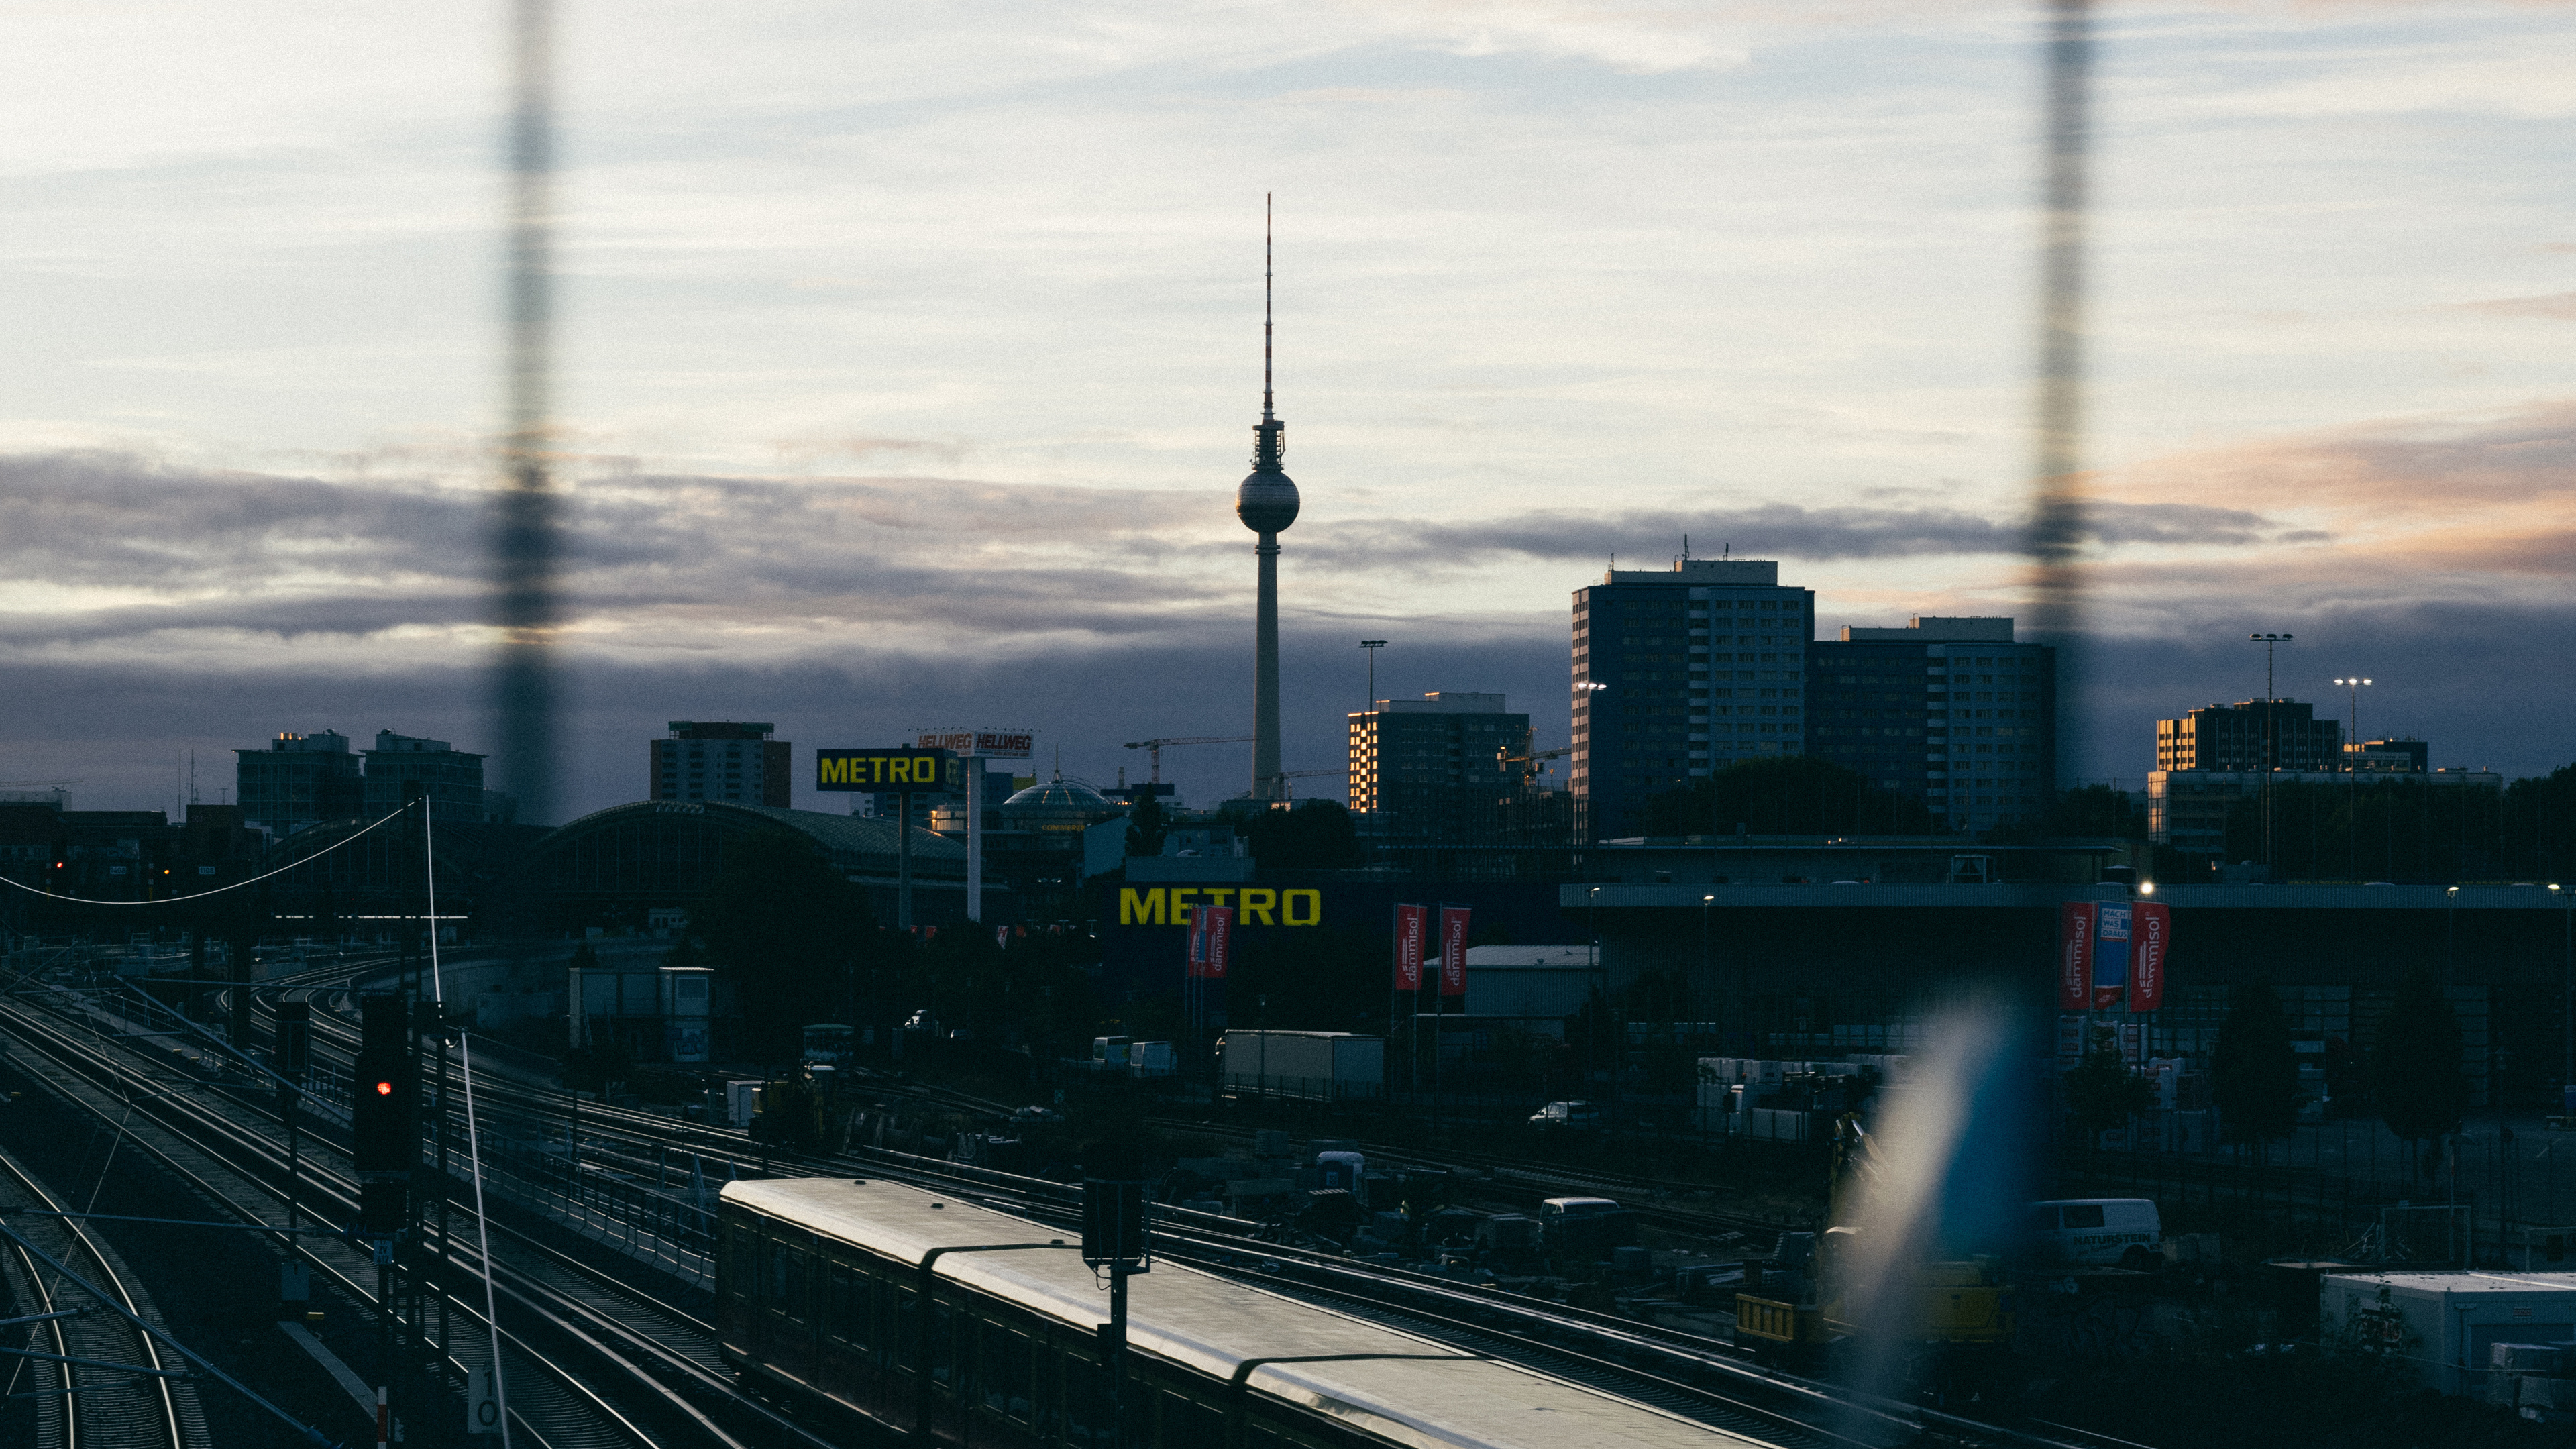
{"x":1951,"y":711}
{"x":450,"y":777}
{"x":1680,"y":671}
{"x":124,"y":855}
{"x":1404,"y":752}
{"x":298,"y":780}
{"x":2233,"y":737}
{"x":729,"y":760}
{"x":2388,"y":757}
{"x":2187,"y":809}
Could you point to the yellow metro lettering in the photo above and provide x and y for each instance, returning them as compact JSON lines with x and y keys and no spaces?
{"x":1257,"y":901}
{"x":1140,"y":908}
{"x":1288,"y":908}
{"x":1218,"y":895}
{"x":1181,"y":899}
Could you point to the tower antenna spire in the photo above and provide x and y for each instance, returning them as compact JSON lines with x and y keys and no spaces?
{"x":1265,"y":306}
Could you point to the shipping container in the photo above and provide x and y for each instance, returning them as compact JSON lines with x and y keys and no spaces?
{"x":2445,"y":1326}
{"x":1321,"y":1065}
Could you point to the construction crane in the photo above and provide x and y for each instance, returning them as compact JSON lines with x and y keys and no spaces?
{"x":1504,"y":759}
{"x":14,"y":784}
{"x":1287,"y":775}
{"x":1155,"y":747}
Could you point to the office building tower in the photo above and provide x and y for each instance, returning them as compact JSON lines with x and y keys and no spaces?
{"x":1951,"y":711}
{"x":297,"y":781}
{"x":1680,"y":671}
{"x":730,"y":760}
{"x":452,"y":779}
{"x":1407,"y":752}
{"x":2233,"y":737}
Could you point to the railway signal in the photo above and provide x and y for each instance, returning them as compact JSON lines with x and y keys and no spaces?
{"x":1115,"y":1236}
{"x":383,"y":1109}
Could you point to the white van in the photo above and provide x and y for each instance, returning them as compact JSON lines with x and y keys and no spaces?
{"x":2121,"y":1230}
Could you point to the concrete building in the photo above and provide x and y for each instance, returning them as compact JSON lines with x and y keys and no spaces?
{"x":1949,"y":710}
{"x":2233,"y":737}
{"x":731,"y":760}
{"x":452,"y":778}
{"x":298,"y":780}
{"x":2187,"y":809}
{"x":1678,"y":671}
{"x":1406,"y":751}
{"x":2388,"y":757}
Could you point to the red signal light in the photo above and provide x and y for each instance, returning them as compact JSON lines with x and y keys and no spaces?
{"x":384,"y":1089}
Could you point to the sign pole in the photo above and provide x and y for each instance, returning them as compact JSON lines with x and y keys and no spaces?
{"x":975,"y":838}
{"x":903,"y":859}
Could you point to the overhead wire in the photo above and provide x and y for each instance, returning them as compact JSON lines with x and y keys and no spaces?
{"x":219,"y":890}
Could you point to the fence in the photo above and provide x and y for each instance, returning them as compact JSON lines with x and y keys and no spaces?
{"x":2334,"y":1182}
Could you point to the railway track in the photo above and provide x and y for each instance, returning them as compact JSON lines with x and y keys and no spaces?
{"x":1701,"y":1378}
{"x":590,"y":1361}
{"x":102,"y":1382}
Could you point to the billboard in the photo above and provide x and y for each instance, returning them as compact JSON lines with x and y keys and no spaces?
{"x":1411,"y":922}
{"x":900,"y":768}
{"x":2110,"y":953}
{"x":2075,"y":955}
{"x":1453,"y":950}
{"x":2152,"y":926}
{"x":992,"y":744}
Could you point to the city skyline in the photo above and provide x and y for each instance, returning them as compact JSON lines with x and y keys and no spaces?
{"x":810,"y":482}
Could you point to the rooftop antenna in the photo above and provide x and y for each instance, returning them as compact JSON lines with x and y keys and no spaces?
{"x":1685,"y":548}
{"x":1265,"y":307}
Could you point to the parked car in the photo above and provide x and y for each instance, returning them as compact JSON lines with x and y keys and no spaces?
{"x":2098,"y":1230}
{"x":1566,"y":1117}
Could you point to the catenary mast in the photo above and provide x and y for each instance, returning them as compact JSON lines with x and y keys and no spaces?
{"x":1267,"y":504}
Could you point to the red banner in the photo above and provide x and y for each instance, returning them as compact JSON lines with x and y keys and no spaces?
{"x":1195,"y":953}
{"x":2075,"y":956}
{"x":1453,"y":951}
{"x":1220,"y":939}
{"x":1410,"y":924}
{"x":2151,"y":937}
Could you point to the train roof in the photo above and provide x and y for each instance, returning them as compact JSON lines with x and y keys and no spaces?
{"x":1410,"y":1390}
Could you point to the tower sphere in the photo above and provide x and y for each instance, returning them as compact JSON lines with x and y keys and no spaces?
{"x":1267,"y":501}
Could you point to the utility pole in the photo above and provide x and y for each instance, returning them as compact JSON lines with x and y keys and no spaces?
{"x":1372,"y":646}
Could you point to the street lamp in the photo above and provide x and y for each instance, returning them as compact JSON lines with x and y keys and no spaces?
{"x":2567,"y":992}
{"x":2354,"y":685}
{"x":2271,"y":733}
{"x":1371,"y":646}
{"x":1705,"y":902}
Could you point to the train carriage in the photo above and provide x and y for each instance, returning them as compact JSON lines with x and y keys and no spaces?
{"x":904,"y":1309}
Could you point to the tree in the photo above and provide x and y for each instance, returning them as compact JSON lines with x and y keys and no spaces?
{"x":1317,"y":835}
{"x":786,"y":927}
{"x":2255,"y":1072}
{"x":2097,"y":811}
{"x":1145,"y":827}
{"x":2102,"y":1093}
{"x":1789,"y":795}
{"x":2415,"y":1066}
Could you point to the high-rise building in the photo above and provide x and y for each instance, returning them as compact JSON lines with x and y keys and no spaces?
{"x":1681,"y":670}
{"x":1406,"y":752}
{"x":1951,"y":711}
{"x":450,"y":777}
{"x":297,"y":781}
{"x":731,"y":760}
{"x":2232,"y":737}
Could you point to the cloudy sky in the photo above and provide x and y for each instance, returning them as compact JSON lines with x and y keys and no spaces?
{"x":910,"y":354}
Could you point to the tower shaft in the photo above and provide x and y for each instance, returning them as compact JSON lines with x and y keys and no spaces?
{"x":1266,"y":781}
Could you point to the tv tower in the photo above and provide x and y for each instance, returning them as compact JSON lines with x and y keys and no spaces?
{"x":1267,"y":503}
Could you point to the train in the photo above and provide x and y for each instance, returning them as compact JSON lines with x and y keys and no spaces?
{"x":949,"y":1323}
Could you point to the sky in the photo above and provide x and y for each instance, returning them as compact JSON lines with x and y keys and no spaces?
{"x":909,"y":357}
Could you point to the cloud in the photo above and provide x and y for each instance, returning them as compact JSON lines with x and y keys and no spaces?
{"x":1781,"y":530}
{"x":2556,"y":307}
